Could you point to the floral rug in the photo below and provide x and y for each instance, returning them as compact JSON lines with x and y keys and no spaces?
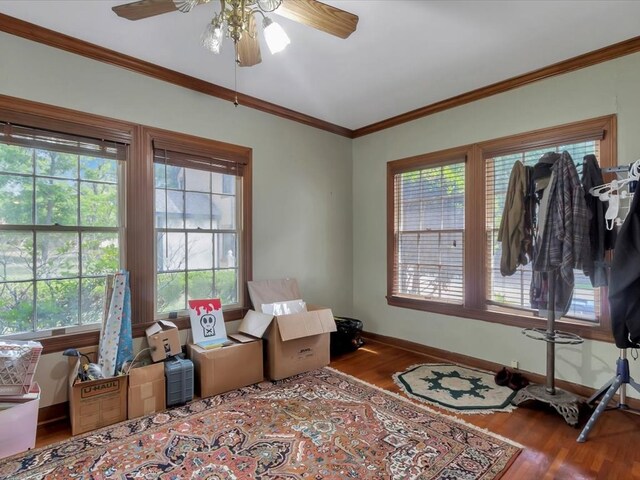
{"x":455,"y":388}
{"x":317,"y":425}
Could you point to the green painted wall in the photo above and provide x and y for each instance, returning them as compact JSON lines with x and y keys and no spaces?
{"x":301,"y":175}
{"x":604,"y":89}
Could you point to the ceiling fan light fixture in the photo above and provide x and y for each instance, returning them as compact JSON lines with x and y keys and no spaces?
{"x":185,"y":6}
{"x":212,"y":36}
{"x":275,"y":36}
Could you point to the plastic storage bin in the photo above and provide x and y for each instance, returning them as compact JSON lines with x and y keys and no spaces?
{"x":18,"y":361}
{"x":179,"y":374}
{"x":19,"y":422}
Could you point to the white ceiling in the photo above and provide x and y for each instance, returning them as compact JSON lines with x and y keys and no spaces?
{"x":404,"y":55}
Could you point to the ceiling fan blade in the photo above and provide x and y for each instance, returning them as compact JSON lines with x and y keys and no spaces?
{"x":144,"y":9}
{"x":248,"y":46}
{"x":320,"y":16}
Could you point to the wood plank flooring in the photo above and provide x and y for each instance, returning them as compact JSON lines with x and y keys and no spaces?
{"x":612,"y":451}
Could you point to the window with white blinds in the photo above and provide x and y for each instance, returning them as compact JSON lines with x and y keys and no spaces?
{"x":443,"y":214}
{"x":61,"y":227}
{"x":198,"y":220}
{"x":513,"y":291}
{"x":429,"y":233}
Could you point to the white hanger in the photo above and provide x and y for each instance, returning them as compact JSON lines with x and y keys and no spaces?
{"x":612,"y":192}
{"x":611,"y":215}
{"x":603,"y":191}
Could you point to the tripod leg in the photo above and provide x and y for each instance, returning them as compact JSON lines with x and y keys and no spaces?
{"x":600,"y":408}
{"x":601,"y":392}
{"x":634,"y":384}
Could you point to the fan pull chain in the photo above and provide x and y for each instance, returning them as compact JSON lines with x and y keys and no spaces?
{"x":235,"y":77}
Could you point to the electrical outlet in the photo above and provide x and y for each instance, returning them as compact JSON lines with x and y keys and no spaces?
{"x":514,"y":363}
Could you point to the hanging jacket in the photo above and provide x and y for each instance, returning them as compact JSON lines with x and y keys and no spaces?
{"x":512,"y":232}
{"x":624,"y":284}
{"x":564,"y":230}
{"x":600,"y":238}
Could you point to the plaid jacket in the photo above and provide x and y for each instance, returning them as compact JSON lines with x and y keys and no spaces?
{"x":564,"y":243}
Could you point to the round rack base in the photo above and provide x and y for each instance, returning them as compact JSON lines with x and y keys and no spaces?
{"x":562,"y":338}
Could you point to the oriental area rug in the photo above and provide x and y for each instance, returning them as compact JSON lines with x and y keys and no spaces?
{"x":317,"y":425}
{"x":455,"y":388}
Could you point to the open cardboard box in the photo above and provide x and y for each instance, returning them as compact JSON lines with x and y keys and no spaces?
{"x":164,"y":340}
{"x":95,"y":403}
{"x":295,"y":343}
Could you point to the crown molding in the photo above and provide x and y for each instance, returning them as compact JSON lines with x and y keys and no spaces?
{"x":36,"y":33}
{"x":601,"y":55}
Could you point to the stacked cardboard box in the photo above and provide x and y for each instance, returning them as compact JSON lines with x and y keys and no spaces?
{"x":163,"y":339}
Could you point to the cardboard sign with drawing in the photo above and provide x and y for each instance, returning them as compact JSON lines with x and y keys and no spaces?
{"x":207,"y":322}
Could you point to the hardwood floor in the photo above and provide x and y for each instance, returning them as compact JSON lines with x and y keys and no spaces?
{"x":612,"y":451}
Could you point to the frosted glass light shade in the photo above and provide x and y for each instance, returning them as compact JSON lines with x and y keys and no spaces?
{"x":185,"y":6}
{"x":275,"y":36}
{"x":212,"y":37}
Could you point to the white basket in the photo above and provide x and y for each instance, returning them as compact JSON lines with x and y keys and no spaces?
{"x":18,"y":361}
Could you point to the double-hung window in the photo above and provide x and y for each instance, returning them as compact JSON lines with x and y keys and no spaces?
{"x":199,"y":226}
{"x":428,"y":229}
{"x":513,"y":291}
{"x":60,"y":227}
{"x":182,"y":228}
{"x":443,"y":215}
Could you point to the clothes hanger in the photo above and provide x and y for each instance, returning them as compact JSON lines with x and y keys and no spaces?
{"x":603,"y":191}
{"x":613,"y":191}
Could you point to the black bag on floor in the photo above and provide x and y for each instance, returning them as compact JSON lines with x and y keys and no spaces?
{"x":348,"y":336}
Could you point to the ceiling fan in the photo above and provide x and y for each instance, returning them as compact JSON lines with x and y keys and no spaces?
{"x":236,"y":19}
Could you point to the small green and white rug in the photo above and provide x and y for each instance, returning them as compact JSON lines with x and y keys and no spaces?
{"x":455,"y":388}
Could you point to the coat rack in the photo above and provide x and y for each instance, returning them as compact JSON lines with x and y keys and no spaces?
{"x":564,"y":402}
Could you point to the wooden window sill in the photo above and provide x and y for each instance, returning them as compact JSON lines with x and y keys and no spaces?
{"x":584,"y":329}
{"x":59,"y":343}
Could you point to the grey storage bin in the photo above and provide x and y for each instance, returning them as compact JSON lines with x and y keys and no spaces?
{"x":179,"y":374}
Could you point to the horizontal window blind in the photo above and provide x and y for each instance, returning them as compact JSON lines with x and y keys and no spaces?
{"x":513,"y":291}
{"x":220,"y":162}
{"x":36,"y":138}
{"x":61,"y":228}
{"x":198,"y":206}
{"x":429,"y":233}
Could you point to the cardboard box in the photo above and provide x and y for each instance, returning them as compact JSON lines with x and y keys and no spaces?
{"x":226,"y":368}
{"x":298,"y":343}
{"x":252,"y":327}
{"x":96,"y":403}
{"x":147,"y":390}
{"x":295,"y":343}
{"x":19,"y":422}
{"x":164,"y":340}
